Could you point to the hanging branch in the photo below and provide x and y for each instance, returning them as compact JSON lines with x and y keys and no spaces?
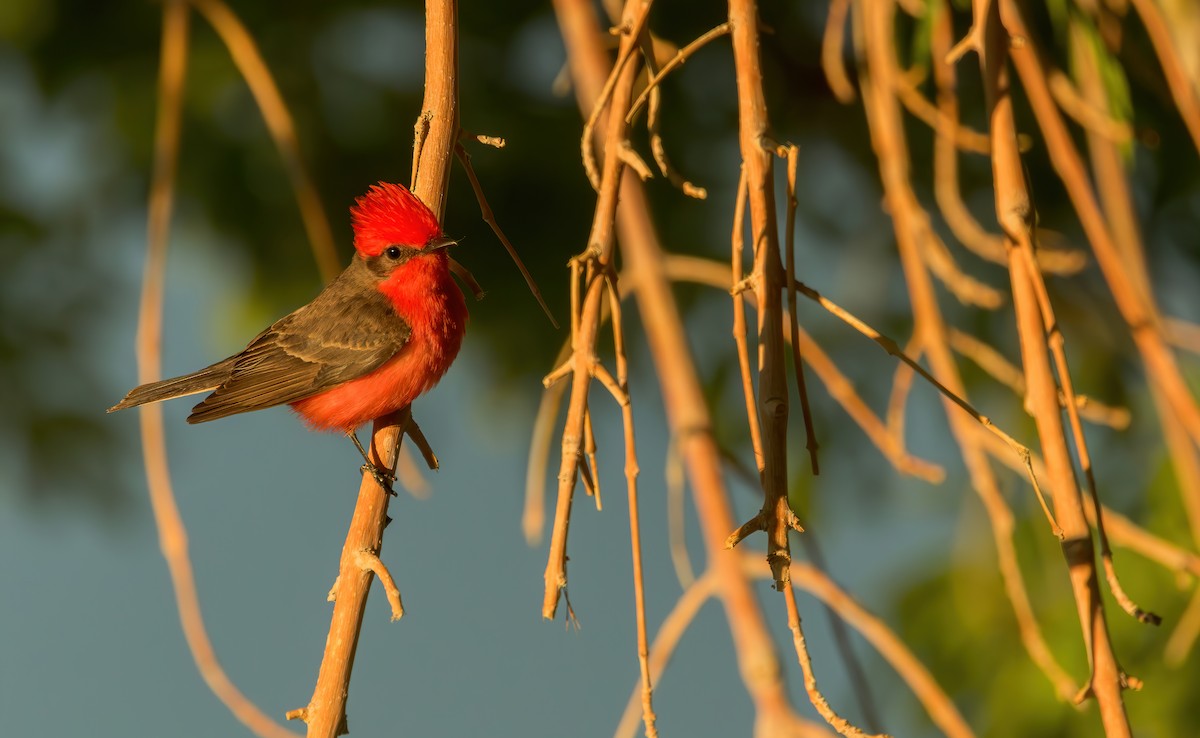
{"x":889,"y":141}
{"x":595,"y":267}
{"x":958,"y":217}
{"x":683,"y":397}
{"x":592,"y":266}
{"x":767,"y":281}
{"x":1140,"y":312}
{"x":1014,"y":211}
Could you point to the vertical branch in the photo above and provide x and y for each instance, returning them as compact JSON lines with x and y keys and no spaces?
{"x":1140,"y":315}
{"x":792,"y":153}
{"x":326,"y":711}
{"x":172,"y":535}
{"x":888,"y":140}
{"x":635,"y":535}
{"x":739,"y":322}
{"x":683,"y":397}
{"x":776,"y":517}
{"x":595,"y":263}
{"x":1014,"y":211}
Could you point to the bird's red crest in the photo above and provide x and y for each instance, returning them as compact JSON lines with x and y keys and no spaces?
{"x":390,"y":215}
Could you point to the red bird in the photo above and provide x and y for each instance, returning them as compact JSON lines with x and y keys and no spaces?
{"x":377,"y":337}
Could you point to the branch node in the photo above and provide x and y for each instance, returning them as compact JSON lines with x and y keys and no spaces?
{"x":369,"y":561}
{"x":751,"y":526}
{"x":300,"y":713}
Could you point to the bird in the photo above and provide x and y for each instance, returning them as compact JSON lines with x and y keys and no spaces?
{"x":378,"y":336}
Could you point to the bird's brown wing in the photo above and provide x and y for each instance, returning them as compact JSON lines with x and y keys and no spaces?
{"x":346,"y":332}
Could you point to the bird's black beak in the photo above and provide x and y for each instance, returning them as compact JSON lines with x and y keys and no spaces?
{"x":439,"y":243}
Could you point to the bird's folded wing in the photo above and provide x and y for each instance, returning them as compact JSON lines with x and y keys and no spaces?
{"x":314,"y":349}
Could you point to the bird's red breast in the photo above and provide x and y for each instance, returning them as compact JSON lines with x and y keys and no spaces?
{"x":425,"y":296}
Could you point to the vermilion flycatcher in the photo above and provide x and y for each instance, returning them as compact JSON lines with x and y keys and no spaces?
{"x":377,"y":337}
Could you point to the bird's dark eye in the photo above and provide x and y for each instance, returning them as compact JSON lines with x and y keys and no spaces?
{"x":392,"y":252}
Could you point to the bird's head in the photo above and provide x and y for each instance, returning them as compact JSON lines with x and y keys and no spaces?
{"x":391,"y":224}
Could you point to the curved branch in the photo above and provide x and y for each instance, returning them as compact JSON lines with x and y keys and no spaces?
{"x":172,"y":535}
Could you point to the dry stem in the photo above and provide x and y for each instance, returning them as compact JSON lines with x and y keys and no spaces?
{"x":437,"y":132}
{"x":1139,"y":312}
{"x":931,"y":332}
{"x":592,"y":266}
{"x":682,"y":394}
{"x":776,"y":516}
{"x":1014,"y":211}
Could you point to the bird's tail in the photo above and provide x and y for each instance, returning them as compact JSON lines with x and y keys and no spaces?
{"x":166,"y":389}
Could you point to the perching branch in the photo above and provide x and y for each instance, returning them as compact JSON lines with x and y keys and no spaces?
{"x":433,"y":154}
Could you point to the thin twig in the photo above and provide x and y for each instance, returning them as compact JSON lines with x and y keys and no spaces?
{"x":461,"y":272}
{"x":1084,"y":113}
{"x":964,"y":138}
{"x":792,"y":154}
{"x":968,"y":290}
{"x":1179,"y":645}
{"x":837,"y":722}
{"x":902,"y":382}
{"x":1014,"y":211}
{"x":413,"y":431}
{"x":370,"y":562}
{"x":621,"y":395}
{"x":1182,"y":333}
{"x":669,"y":634}
{"x":675,"y":62}
{"x":632,"y":31}
{"x":653,"y":125}
{"x":488,"y":217}
{"x":533,"y":516}
{"x":882,"y":638}
{"x":591,"y":470}
{"x":739,"y":322}
{"x":591,"y":266}
{"x":676,"y":524}
{"x":832,"y":56}
{"x":683,"y":398}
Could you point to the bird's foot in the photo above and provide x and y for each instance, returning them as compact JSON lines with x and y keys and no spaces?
{"x":383,"y":478}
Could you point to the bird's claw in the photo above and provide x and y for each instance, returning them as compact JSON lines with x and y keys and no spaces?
{"x":382,"y":478}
